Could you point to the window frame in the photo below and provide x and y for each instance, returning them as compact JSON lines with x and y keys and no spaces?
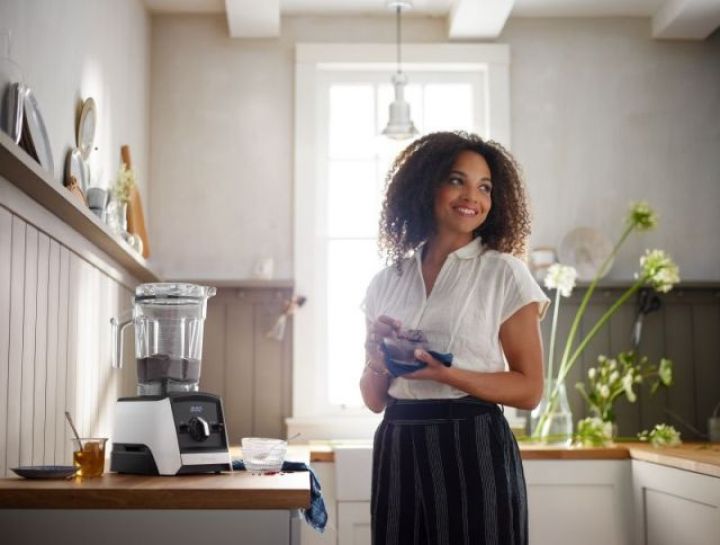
{"x":313,"y":416}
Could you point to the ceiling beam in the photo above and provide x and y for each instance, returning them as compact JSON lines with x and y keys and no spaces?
{"x":471,"y":19}
{"x":253,"y":18}
{"x":686,"y":19}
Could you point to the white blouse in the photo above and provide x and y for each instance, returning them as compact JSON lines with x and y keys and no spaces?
{"x":476,"y":290}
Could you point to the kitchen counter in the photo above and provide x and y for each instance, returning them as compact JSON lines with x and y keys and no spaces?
{"x":237,"y":490}
{"x":703,"y":458}
{"x":231,"y":490}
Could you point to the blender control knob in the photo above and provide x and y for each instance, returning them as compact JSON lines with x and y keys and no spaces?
{"x":199,"y":429}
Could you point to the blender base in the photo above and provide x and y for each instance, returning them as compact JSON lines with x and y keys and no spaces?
{"x":175,"y":434}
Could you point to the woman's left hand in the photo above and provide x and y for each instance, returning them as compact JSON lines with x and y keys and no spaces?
{"x":435,"y":369}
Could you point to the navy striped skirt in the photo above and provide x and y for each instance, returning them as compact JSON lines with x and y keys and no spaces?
{"x":447,"y":472}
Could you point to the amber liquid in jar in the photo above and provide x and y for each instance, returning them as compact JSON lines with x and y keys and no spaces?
{"x":90,"y":461}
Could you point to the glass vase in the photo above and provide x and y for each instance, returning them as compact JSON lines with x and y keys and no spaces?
{"x":551,"y":421}
{"x":117,"y":216}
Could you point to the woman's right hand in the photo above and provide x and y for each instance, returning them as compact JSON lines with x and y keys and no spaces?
{"x":384,"y":326}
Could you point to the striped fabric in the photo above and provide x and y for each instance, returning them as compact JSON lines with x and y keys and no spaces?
{"x":447,"y":472}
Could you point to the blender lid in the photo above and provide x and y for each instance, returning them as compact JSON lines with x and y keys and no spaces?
{"x":173,"y":290}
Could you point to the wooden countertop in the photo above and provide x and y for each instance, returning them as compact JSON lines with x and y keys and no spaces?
{"x":698,"y":457}
{"x":701,"y":458}
{"x":325,"y":453}
{"x":237,"y":490}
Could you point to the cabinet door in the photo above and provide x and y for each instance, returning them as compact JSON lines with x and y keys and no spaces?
{"x":587,"y":502}
{"x":354,"y":523}
{"x":677,"y":506}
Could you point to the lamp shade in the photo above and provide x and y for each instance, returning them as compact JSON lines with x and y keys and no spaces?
{"x":400,"y":126}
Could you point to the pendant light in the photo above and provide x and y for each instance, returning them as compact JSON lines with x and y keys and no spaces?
{"x":400,"y":126}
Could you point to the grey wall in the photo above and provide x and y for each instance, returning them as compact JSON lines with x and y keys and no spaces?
{"x":222,"y":137}
{"x":604,"y":115}
{"x":73,"y":49}
{"x":601,"y":115}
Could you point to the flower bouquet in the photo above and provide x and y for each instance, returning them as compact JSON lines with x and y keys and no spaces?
{"x":657,"y":271}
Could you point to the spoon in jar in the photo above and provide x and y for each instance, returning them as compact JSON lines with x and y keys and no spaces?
{"x":77,"y":435}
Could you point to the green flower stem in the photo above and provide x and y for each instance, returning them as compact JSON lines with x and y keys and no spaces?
{"x":551,"y":357}
{"x":586,"y":299}
{"x":598,"y":325}
{"x":567,"y":364}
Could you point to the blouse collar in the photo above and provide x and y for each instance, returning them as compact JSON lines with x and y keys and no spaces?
{"x":471,"y":250}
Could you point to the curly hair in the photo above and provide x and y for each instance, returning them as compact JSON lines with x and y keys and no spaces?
{"x":407,"y":217}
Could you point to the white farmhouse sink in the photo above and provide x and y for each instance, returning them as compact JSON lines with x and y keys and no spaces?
{"x":353,"y":470}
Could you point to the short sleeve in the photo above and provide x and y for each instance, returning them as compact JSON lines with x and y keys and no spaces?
{"x":521,"y":289}
{"x":369,"y":303}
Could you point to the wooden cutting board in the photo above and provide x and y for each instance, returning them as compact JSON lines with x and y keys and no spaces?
{"x":136,"y":219}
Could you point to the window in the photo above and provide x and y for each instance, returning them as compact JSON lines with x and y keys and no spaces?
{"x":342,"y":99}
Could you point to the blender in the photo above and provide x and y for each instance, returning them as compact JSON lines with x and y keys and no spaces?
{"x":169,"y":428}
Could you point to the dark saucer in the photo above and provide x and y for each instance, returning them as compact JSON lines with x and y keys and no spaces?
{"x":45,"y":472}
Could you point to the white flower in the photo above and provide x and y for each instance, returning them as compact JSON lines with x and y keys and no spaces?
{"x":627,"y":382}
{"x":594,"y":432}
{"x":658,"y":271}
{"x":604,"y":391}
{"x":591,"y":373}
{"x":561,"y":278}
{"x":642,"y":216}
{"x":662,"y":435}
{"x":612,"y":365}
{"x":614,"y":376}
{"x":124,"y":184}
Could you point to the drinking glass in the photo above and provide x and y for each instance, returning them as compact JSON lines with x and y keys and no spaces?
{"x":89,"y":456}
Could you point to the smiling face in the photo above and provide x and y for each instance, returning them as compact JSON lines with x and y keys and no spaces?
{"x":464,"y":198}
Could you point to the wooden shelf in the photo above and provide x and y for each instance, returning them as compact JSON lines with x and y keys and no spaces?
{"x":21,"y":170}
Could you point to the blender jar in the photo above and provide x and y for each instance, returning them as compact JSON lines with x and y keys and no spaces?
{"x":168,"y":320}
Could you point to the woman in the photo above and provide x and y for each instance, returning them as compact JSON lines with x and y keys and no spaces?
{"x":446,"y":467}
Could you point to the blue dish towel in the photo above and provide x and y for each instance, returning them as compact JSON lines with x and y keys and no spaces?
{"x":316,"y":515}
{"x":399,"y":368}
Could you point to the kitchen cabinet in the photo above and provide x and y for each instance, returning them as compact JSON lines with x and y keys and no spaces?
{"x":570,"y":501}
{"x":353,"y":472}
{"x":675,"y":506}
{"x":579,"y":501}
{"x":354,"y":523}
{"x":630,"y":494}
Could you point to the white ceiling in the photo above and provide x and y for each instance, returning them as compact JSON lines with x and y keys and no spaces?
{"x":672,"y":19}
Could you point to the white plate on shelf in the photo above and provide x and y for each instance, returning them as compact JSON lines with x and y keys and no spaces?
{"x":34,"y":127}
{"x":86,"y":128}
{"x":585,"y":249}
{"x":10,"y":103}
{"x":11,"y":117}
{"x":75,"y":168}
